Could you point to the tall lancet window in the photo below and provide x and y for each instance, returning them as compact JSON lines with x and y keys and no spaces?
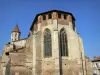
{"x":63,"y":43}
{"x":47,"y":43}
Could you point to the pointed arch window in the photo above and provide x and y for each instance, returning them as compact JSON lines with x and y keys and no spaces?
{"x":63,"y":43}
{"x":47,"y":43}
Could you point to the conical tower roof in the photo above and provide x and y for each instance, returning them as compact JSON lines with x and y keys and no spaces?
{"x":16,"y":29}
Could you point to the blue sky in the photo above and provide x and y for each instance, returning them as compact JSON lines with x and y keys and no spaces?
{"x":22,"y":12}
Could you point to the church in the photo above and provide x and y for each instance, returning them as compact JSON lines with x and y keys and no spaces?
{"x":53,"y":47}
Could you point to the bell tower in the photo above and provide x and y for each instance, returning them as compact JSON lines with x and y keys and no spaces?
{"x":15,"y":34}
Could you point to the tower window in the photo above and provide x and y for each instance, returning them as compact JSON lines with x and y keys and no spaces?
{"x":47,"y":43}
{"x":59,"y":15}
{"x":49,"y":16}
{"x":44,"y":17}
{"x":64,"y":16}
{"x":15,"y":34}
{"x":63,"y":43}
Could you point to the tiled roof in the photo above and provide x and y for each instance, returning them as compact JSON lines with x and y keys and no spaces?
{"x":16,"y":29}
{"x":96,"y":59}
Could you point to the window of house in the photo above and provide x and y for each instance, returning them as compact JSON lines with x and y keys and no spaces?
{"x":59,"y":15}
{"x":63,"y":43}
{"x":95,"y":65}
{"x":47,"y":43}
{"x":49,"y":16}
{"x":15,"y":34}
{"x":99,"y":64}
{"x":44,"y":17}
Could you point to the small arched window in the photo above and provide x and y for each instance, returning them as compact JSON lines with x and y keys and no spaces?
{"x":50,"y":16}
{"x":64,"y":16}
{"x":44,"y":17}
{"x":47,"y":43}
{"x":63,"y":43}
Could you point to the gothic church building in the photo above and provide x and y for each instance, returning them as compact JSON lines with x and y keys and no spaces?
{"x":53,"y":47}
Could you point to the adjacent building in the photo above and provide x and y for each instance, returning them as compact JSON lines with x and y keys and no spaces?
{"x":96,"y":66}
{"x":88,"y":66}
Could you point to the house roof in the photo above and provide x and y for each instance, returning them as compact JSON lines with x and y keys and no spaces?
{"x":59,"y":11}
{"x":96,"y":59}
{"x":16,"y":29}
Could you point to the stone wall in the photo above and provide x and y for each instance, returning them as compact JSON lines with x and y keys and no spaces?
{"x":73,"y":64}
{"x":5,"y":65}
{"x":28,"y":53}
{"x":20,"y":43}
{"x":20,"y":70}
{"x":48,"y":67}
{"x":17,"y":59}
{"x":17,"y":44}
{"x":71,"y":67}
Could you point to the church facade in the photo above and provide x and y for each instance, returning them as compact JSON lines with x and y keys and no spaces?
{"x":53,"y":47}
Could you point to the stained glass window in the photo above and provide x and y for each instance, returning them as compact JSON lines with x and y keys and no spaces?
{"x":47,"y":43}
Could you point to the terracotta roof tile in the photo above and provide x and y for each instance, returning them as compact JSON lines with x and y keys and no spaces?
{"x":16,"y":29}
{"x":97,"y":58}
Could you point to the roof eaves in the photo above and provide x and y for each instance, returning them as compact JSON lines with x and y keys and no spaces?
{"x":49,"y":12}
